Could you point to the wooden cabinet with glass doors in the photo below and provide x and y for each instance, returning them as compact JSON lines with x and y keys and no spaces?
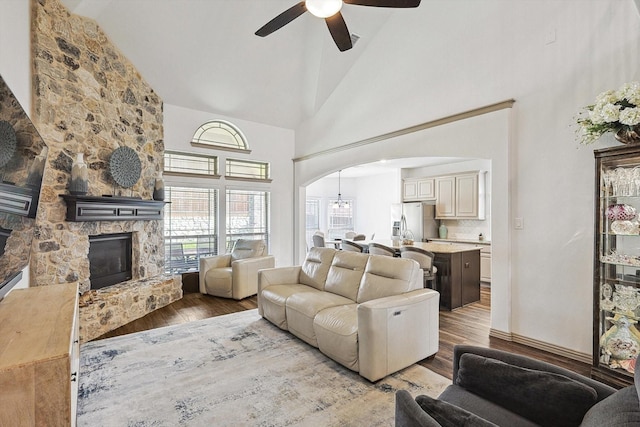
{"x":616,"y":296}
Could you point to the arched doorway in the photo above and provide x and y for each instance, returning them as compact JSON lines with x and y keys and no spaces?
{"x":485,"y":136}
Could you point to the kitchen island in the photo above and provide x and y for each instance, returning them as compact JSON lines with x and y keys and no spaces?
{"x":458,"y":277}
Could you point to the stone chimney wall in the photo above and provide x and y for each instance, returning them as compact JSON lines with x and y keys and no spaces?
{"x":88,"y":98}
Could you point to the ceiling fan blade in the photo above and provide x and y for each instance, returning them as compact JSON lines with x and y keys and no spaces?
{"x":385,"y":3}
{"x":281,"y":20}
{"x":339,"y":31}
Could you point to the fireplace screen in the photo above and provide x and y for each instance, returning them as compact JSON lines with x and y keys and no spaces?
{"x":109,"y":259}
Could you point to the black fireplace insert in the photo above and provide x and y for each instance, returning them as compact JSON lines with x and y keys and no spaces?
{"x":109,"y":259}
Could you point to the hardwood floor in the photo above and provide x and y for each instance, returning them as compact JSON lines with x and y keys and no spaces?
{"x":466,"y":325}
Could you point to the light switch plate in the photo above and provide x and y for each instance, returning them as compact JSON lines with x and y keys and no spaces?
{"x":518,"y":223}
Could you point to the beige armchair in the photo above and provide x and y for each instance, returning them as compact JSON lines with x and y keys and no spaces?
{"x":235,"y":275}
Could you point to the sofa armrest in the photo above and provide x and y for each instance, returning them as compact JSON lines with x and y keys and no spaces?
{"x":276,"y":276}
{"x":397,"y":331}
{"x":245,"y":274}
{"x":209,"y":262}
{"x":410,"y":414}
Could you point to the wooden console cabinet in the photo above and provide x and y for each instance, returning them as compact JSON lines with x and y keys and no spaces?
{"x":39,"y":356}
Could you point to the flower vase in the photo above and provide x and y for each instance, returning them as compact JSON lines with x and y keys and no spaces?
{"x":79,"y":184}
{"x":158,"y":189}
{"x":628,"y":135}
{"x":34,"y":179}
{"x":621,"y":341}
{"x":442,"y":231}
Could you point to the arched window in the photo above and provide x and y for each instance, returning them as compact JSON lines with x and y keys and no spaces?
{"x":222,"y":135}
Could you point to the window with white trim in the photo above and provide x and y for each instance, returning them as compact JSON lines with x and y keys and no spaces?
{"x":190,"y":227}
{"x":246,"y":169}
{"x":340,"y":218}
{"x":247,"y":216}
{"x":190,"y":164}
{"x":312,"y":216}
{"x":220,"y":134}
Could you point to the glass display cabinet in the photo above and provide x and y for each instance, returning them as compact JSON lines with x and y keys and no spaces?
{"x":616,"y":332}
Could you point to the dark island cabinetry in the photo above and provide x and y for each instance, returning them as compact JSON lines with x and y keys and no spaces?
{"x":458,"y":277}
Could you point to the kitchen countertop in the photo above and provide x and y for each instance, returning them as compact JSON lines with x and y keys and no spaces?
{"x":445,"y":247}
{"x":469,"y":241}
{"x":435,"y":247}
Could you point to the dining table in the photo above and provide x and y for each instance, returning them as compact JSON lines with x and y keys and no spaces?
{"x":335,"y":243}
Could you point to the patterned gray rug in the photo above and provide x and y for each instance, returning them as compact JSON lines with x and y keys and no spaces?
{"x":235,"y":370}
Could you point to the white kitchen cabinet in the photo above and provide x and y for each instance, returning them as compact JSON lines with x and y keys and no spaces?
{"x":485,"y":264}
{"x":445,"y":197}
{"x":467,"y":196}
{"x":460,"y":196}
{"x":416,"y":189}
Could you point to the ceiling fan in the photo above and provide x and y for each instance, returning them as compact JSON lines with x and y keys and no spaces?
{"x":330,"y":11}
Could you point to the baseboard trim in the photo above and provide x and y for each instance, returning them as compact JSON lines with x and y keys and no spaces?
{"x":541,"y":345}
{"x":499,"y":334}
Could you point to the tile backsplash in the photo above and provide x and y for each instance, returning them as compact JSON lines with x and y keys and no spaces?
{"x":467,"y":229}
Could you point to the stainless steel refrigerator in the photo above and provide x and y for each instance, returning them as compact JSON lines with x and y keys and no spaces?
{"x":418,"y":218}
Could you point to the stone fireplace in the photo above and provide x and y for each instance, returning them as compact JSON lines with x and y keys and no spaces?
{"x":88,"y":98}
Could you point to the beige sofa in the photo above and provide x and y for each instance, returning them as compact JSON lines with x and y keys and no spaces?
{"x":235,"y":275}
{"x":369,"y":313}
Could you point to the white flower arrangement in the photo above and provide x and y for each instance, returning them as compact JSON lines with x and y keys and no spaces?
{"x":613,"y":111}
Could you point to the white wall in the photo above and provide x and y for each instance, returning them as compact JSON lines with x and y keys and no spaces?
{"x":15,"y":48}
{"x":553,"y":58}
{"x":373,"y":196}
{"x":268,"y":144}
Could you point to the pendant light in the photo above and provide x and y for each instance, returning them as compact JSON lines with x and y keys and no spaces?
{"x":338,"y":204}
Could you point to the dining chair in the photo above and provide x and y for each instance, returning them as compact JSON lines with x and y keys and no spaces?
{"x":378,"y":249}
{"x":348,"y":245}
{"x":425,"y":259}
{"x":359,"y":237}
{"x":318,"y":241}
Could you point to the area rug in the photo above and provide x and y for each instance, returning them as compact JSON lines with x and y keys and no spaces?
{"x":232,"y":370}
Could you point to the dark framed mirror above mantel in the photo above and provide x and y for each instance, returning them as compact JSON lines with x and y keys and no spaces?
{"x":107,"y":208}
{"x":16,"y":200}
{"x":23,"y":155}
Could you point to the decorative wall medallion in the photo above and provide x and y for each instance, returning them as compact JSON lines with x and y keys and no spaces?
{"x":125,"y":166}
{"x":7,"y":142}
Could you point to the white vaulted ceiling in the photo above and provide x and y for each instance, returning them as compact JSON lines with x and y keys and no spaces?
{"x":203,"y":54}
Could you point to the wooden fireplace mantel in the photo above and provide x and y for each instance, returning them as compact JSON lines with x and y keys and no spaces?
{"x":106,"y":208}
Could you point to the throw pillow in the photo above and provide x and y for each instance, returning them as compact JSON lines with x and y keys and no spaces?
{"x":545,"y":398}
{"x":448,"y":415}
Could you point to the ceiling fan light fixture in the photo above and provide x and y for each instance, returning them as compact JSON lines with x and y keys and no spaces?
{"x":323,"y":8}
